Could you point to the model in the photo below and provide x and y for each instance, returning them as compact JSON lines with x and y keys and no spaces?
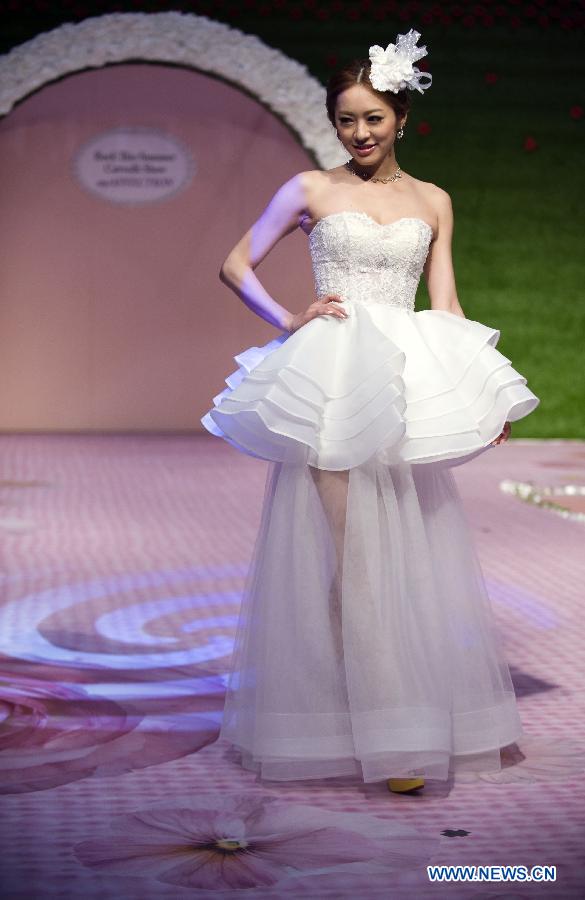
{"x":366,"y":643}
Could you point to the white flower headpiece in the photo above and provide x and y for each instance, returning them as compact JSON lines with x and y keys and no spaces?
{"x":392,"y":70}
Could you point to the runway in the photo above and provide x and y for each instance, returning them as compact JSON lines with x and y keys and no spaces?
{"x":123,"y":558}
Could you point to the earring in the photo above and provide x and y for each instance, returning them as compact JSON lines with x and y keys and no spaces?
{"x":400,"y":132}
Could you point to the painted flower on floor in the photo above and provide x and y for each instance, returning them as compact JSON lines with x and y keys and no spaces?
{"x":52,"y":734}
{"x":535,"y":760}
{"x":223,"y":842}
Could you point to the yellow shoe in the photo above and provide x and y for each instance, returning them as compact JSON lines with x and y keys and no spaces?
{"x":405,"y":785}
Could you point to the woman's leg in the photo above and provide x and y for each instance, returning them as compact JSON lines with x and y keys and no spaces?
{"x":332,"y":488}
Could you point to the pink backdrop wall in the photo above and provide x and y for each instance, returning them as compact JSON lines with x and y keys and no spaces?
{"x":114,"y":317}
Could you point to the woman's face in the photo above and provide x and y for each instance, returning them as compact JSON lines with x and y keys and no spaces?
{"x":364,"y":119}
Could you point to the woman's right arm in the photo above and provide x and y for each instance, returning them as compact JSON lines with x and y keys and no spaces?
{"x":279,"y":218}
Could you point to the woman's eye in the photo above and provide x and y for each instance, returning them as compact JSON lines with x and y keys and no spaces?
{"x":370,"y":119}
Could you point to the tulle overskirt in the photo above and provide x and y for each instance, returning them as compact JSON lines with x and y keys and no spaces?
{"x":366,"y":643}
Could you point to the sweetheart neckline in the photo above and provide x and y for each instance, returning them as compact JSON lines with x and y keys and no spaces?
{"x":359,"y":212}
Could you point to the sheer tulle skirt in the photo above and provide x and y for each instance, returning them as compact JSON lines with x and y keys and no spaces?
{"x":366,"y":643}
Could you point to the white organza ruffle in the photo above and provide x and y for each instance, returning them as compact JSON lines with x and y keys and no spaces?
{"x":407,"y":386}
{"x":366,"y":643}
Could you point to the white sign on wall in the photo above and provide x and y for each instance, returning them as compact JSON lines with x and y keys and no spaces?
{"x":133,"y":165}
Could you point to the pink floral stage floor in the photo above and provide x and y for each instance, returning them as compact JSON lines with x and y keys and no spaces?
{"x":123,"y":558}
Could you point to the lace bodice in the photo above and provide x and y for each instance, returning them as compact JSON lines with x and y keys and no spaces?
{"x":359,"y":259}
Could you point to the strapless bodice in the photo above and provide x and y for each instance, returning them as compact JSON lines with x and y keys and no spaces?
{"x":361,"y":260}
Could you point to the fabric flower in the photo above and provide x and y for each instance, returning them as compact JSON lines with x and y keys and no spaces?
{"x":392,"y":69}
{"x":389,"y":70}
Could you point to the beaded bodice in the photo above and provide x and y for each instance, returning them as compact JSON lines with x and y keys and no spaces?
{"x":361,"y":260}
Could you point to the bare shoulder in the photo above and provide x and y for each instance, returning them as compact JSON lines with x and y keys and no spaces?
{"x":438,"y":200}
{"x":323,"y":174}
{"x":430,"y":191}
{"x":296,"y":192}
{"x":437,"y":196}
{"x":317,"y":179}
{"x":316,"y":186}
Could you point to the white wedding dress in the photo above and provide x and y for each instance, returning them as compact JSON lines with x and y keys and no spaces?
{"x":366,"y":643}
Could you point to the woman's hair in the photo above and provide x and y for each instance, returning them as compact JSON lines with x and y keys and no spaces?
{"x":358,"y":72}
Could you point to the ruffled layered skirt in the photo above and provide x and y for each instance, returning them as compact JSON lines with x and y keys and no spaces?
{"x":366,"y":643}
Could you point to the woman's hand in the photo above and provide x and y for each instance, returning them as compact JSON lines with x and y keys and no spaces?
{"x":324,"y":306}
{"x":503,"y":436}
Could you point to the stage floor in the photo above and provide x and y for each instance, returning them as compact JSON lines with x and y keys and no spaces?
{"x":123,"y":559}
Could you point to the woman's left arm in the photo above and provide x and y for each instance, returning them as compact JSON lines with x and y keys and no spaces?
{"x":440,"y":277}
{"x":438,"y":268}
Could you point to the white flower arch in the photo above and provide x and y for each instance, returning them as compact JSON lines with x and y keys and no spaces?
{"x":282,"y":84}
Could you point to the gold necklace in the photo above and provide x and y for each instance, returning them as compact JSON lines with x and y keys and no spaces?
{"x":397,"y":174}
